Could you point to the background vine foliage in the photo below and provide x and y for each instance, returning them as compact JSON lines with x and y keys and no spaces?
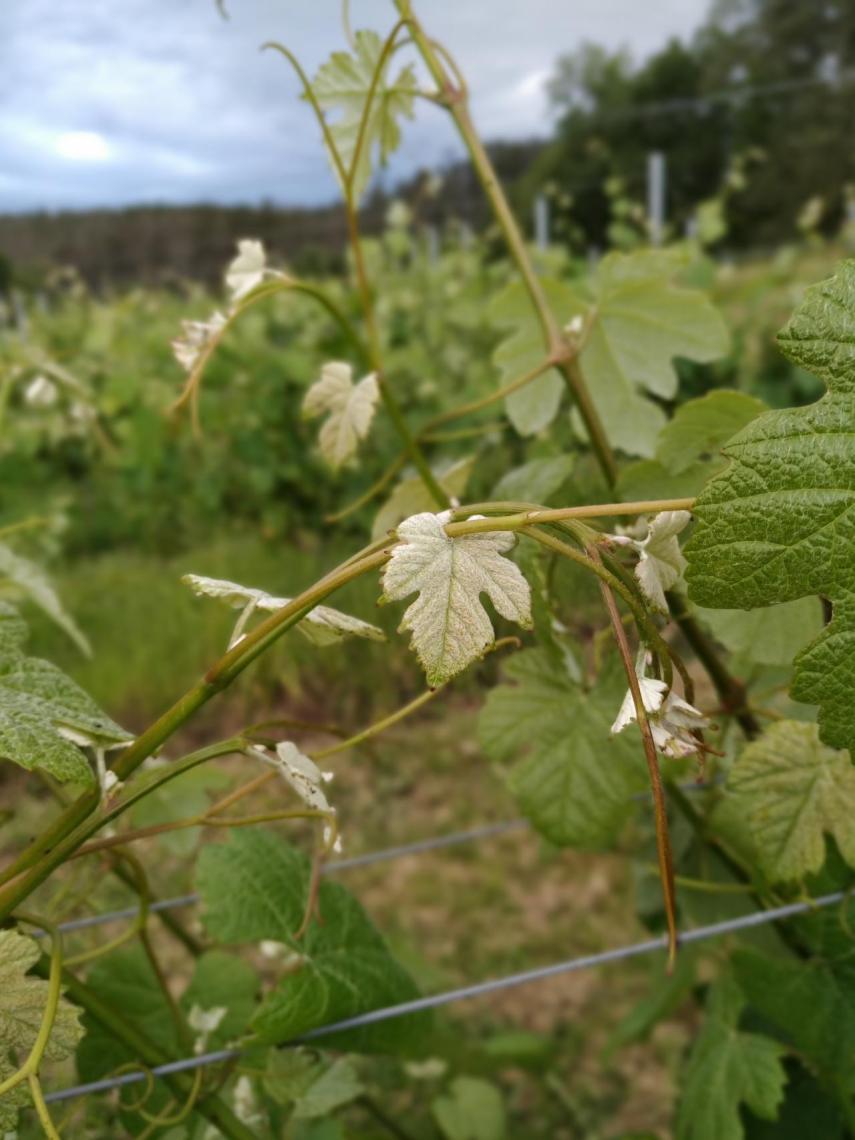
{"x":535,"y":546}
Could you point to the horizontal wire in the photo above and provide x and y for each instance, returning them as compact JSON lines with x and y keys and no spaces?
{"x":417,"y":847}
{"x":479,"y":989}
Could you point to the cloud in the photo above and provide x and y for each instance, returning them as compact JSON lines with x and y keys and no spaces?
{"x":188,"y":108}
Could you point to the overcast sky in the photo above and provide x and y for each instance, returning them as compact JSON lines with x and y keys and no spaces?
{"x":124,"y":101}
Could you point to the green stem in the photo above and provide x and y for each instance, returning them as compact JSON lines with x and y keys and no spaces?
{"x":660,"y":811}
{"x":41,"y":1108}
{"x":215,"y":1110}
{"x":485,"y":401}
{"x":455,"y":98}
{"x":59,"y":841}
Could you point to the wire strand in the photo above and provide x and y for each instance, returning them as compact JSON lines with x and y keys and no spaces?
{"x":463,"y":993}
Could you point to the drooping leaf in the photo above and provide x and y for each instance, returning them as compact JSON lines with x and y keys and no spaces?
{"x":44,"y":716}
{"x":342,"y":86}
{"x":449,"y":624}
{"x":255,"y":887}
{"x":779,"y":523}
{"x":471,"y":1110}
{"x":412,"y":497}
{"x":247,"y":269}
{"x":661,"y":562}
{"x":728,"y":1068}
{"x":323,"y":626}
{"x":532,"y":407}
{"x":794,"y":791}
{"x":572,"y":779}
{"x":22,"y":1003}
{"x":30,"y":581}
{"x":640,"y":322}
{"x":349,"y":408}
{"x":535,"y":481}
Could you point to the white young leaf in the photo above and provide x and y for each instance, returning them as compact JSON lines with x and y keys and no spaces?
{"x":196,"y":337}
{"x":350,"y":406}
{"x":247,"y":270}
{"x":449,"y":624}
{"x":41,"y":392}
{"x":303,"y":775}
{"x":661,"y":563}
{"x":672,"y":720}
{"x":323,"y":626}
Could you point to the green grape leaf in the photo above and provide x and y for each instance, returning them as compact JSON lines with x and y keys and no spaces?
{"x":342,"y":86}
{"x":793,"y":791}
{"x":315,"y":1088}
{"x":700,"y":428}
{"x":412,"y":497}
{"x":449,"y":624}
{"x":771,"y":636}
{"x":728,"y":1068}
{"x":535,"y":481}
{"x":336,"y":1086}
{"x":30,"y":581}
{"x":44,"y":716}
{"x":576,"y":782}
{"x":323,"y":626}
{"x":23,"y":999}
{"x":640,"y":321}
{"x":534,"y":406}
{"x":810,"y":1005}
{"x":779,"y":523}
{"x":471,"y":1110}
{"x":126,"y":981}
{"x":255,"y":888}
{"x":13,"y":632}
{"x":11,"y":1101}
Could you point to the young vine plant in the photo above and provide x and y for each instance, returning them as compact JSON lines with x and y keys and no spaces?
{"x":731,"y":656}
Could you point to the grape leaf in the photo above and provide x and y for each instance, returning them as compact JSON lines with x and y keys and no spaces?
{"x":350,"y":407}
{"x":535,"y":481}
{"x":30,"y":581}
{"x":255,"y":887}
{"x":342,"y":85}
{"x":323,"y":626}
{"x":779,"y":523}
{"x":13,"y":632}
{"x":449,"y":624}
{"x":793,"y":790}
{"x":22,"y":1003}
{"x":23,"y":999}
{"x":639,"y":322}
{"x":532,"y":407}
{"x":810,"y":1005}
{"x":412,"y":497}
{"x":727,"y":1068}
{"x":699,"y":428}
{"x":771,"y":636}
{"x":44,"y":716}
{"x":576,"y":782}
{"x":471,"y":1110}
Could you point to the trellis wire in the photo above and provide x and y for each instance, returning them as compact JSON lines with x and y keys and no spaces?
{"x":417,"y":847}
{"x":478,"y":989}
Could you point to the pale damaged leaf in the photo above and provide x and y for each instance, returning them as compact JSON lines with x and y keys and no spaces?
{"x":323,"y":626}
{"x":197,"y":340}
{"x":23,"y":999}
{"x":350,"y":409}
{"x":342,"y":86}
{"x":793,"y":791}
{"x":449,"y":624}
{"x":247,"y":270}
